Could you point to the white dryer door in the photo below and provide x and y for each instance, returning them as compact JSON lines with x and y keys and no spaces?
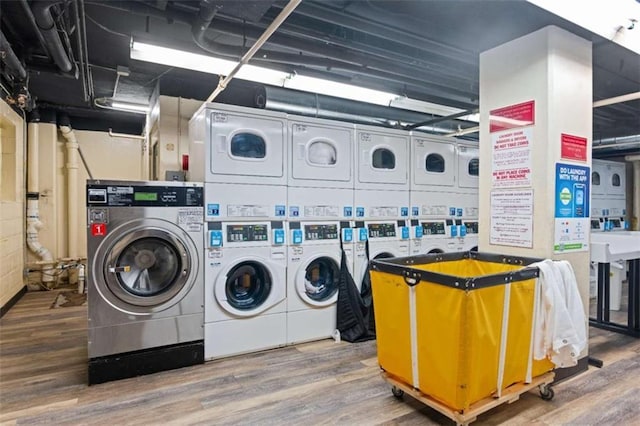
{"x":247,"y":145}
{"x":468,"y":167}
{"x":318,"y":279}
{"x":382,"y":157}
{"x":321,"y":153}
{"x":144,"y":266}
{"x":433,"y":162}
{"x":249,"y":286}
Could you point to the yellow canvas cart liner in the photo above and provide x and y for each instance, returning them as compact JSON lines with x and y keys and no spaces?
{"x":456,"y":326}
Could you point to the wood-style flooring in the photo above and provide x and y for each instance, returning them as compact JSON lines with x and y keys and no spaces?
{"x":43,"y":362}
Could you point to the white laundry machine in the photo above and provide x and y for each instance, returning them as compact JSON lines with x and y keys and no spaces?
{"x":245,"y":287}
{"x":385,"y":239}
{"x":468,"y":165}
{"x":382,"y":173}
{"x":436,"y":236}
{"x":608,"y":200}
{"x":321,"y":169}
{"x":240,"y":153}
{"x":313,"y":277}
{"x":145,"y":281}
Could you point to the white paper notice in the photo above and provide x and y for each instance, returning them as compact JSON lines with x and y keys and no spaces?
{"x":512,"y":218}
{"x":511,"y":158}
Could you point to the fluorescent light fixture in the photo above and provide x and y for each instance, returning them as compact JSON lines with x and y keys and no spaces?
{"x":193,"y":61}
{"x":403,"y":102}
{"x":613,"y":19}
{"x":203,"y":63}
{"x":125,"y":106}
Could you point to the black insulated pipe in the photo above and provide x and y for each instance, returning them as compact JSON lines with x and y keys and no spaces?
{"x":32,"y":21}
{"x":44,"y":19}
{"x":10,"y":59}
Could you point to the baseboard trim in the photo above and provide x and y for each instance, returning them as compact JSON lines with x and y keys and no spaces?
{"x":13,"y":301}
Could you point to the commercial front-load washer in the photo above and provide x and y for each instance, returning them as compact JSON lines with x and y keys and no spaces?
{"x":245,"y":287}
{"x":385,"y":239}
{"x":144,"y":283}
{"x":321,"y":169}
{"x":382,"y":173}
{"x":313,"y":277}
{"x":436,"y":236}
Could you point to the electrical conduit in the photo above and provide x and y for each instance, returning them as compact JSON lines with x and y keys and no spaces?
{"x":33,"y":214}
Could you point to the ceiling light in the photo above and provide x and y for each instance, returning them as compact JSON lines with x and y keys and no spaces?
{"x":203,"y":63}
{"x":110,"y":103}
{"x":125,"y":106}
{"x":339,"y":90}
{"x":613,"y":20}
{"x":208,"y":64}
{"x":197,"y":62}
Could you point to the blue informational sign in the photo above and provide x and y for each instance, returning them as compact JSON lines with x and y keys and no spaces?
{"x":572,"y":191}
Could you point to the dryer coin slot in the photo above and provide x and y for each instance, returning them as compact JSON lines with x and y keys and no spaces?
{"x":97,"y":196}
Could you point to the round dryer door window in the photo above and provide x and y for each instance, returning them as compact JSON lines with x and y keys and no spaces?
{"x":248,"y":285}
{"x":321,"y":279}
{"x":148,"y":267}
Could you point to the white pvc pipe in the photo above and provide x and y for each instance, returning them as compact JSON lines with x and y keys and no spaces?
{"x":33,"y":213}
{"x":257,"y":45}
{"x":72,"y":190}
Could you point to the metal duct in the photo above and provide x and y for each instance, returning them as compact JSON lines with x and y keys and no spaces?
{"x":9,"y":57}
{"x":310,"y":104}
{"x":44,"y":19}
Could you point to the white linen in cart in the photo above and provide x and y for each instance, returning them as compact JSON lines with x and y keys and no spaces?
{"x":559,"y":321}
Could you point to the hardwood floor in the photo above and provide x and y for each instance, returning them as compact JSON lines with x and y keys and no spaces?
{"x":43,"y":360}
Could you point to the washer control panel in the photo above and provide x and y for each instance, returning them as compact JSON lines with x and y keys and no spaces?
{"x":144,"y":196}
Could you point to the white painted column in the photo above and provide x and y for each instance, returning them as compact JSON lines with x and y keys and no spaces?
{"x":548,"y":73}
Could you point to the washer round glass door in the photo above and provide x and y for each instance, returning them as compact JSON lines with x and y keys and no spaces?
{"x":147,"y":267}
{"x":318,"y":283}
{"x":248,"y":285}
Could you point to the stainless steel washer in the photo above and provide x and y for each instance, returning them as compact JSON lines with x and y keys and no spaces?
{"x":145,"y":277}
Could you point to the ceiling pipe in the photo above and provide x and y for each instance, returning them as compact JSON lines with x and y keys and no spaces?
{"x":442,"y":119}
{"x":10,"y":59}
{"x":32,"y":21}
{"x":44,"y":19}
{"x":290,"y":7}
{"x":321,"y":106}
{"x":617,"y":99}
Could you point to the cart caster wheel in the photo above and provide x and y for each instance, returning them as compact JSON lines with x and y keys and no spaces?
{"x":397,"y":392}
{"x":546,"y":393}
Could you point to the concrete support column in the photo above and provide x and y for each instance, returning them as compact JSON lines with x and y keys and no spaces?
{"x":535,"y":135}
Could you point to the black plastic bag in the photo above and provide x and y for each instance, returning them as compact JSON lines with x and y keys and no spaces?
{"x":355,"y":321}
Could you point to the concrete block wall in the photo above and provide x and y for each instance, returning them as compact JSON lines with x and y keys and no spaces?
{"x":12,"y":204}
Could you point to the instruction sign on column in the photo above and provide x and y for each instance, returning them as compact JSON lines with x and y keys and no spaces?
{"x":571,"y":208}
{"x":511,"y":143}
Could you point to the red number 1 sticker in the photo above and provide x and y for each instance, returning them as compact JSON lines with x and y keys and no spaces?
{"x":98,"y":229}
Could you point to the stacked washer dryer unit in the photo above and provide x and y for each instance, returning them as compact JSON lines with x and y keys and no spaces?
{"x":608,"y":204}
{"x":467,"y":183}
{"x":240,"y":154}
{"x":434,"y":200}
{"x":320,"y":198}
{"x":145,"y":283}
{"x":381,"y":196}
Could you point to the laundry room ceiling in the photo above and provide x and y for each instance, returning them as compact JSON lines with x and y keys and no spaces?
{"x":425,"y":50}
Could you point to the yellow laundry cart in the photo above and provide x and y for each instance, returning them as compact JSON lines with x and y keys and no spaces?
{"x":456,"y":330}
